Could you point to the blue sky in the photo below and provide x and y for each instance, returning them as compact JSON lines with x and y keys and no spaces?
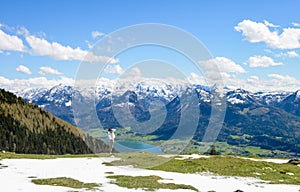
{"x":255,"y":43}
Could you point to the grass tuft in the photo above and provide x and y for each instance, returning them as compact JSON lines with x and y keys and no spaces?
{"x":65,"y":182}
{"x":149,"y":183}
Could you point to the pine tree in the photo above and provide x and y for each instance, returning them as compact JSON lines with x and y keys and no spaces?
{"x":213,"y":150}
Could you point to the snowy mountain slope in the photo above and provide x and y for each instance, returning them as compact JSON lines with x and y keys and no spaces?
{"x":291,"y":103}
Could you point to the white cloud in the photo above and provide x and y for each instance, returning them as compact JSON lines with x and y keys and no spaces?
{"x":45,"y":70}
{"x":273,"y":82}
{"x":279,"y":81}
{"x":22,"y":31}
{"x":132,"y":73}
{"x":196,"y":79}
{"x":261,"y":61}
{"x":224,"y":64}
{"x":267,"y":23}
{"x":234,"y":79}
{"x":42,"y":47}
{"x":38,"y":82}
{"x":136,"y":71}
{"x":296,"y":24}
{"x":254,"y":77}
{"x":256,"y":32}
{"x":23,"y":69}
{"x":292,"y":54}
{"x":284,"y":79}
{"x":113,"y":69}
{"x":219,"y":70}
{"x":252,"y":80}
{"x":89,"y":44}
{"x":96,"y":34}
{"x":11,"y":42}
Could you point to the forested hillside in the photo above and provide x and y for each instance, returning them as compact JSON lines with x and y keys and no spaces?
{"x":26,"y":128}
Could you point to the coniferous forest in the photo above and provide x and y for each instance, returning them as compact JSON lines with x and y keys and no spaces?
{"x":26,"y":128}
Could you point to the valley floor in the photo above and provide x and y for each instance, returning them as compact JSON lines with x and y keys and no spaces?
{"x":16,"y":175}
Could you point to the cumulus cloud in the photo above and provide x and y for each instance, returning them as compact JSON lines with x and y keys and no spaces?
{"x":256,"y":32}
{"x":37,"y":82}
{"x":54,"y":50}
{"x":113,"y":69}
{"x":45,"y":70}
{"x":96,"y":34}
{"x":282,"y":82}
{"x":194,"y":78}
{"x":224,"y":64}
{"x":290,"y":54}
{"x":136,"y":71}
{"x":236,"y":79}
{"x":267,"y":23}
{"x":296,"y":24}
{"x":22,"y":31}
{"x":11,"y":42}
{"x":273,"y":82}
{"x":41,"y":47}
{"x":253,"y":79}
{"x":219,"y":69}
{"x":261,"y":61}
{"x":23,"y":69}
{"x":284,"y":79}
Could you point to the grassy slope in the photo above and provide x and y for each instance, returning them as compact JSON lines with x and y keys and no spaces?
{"x":232,"y":166}
{"x":65,"y":182}
{"x":220,"y":165}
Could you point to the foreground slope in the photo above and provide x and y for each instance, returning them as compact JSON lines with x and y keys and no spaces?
{"x":131,"y":179}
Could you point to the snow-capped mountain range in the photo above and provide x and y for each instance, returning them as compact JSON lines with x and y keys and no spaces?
{"x":61,"y":95}
{"x":58,"y":99}
{"x":270,"y":120}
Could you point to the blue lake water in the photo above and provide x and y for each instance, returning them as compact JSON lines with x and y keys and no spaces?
{"x":132,"y":146}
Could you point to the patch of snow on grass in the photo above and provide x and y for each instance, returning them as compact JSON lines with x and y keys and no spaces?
{"x":18,"y":175}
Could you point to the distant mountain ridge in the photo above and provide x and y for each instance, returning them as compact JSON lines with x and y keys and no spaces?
{"x":26,"y":128}
{"x":60,"y":97}
{"x":267,"y":119}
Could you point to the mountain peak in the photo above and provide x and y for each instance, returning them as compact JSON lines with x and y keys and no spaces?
{"x":297,"y":93}
{"x":240,"y":96}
